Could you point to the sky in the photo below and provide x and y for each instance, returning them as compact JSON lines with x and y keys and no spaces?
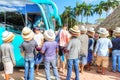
{"x":62,"y":3}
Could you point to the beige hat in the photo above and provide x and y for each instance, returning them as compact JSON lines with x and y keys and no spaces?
{"x":27,"y":34}
{"x":103,"y":32}
{"x":74,"y":31}
{"x":49,"y":35}
{"x":83,"y":29}
{"x":91,"y":31}
{"x":116,"y":32}
{"x":7,"y":36}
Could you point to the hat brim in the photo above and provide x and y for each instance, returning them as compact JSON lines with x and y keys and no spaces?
{"x":89,"y":33}
{"x":49,"y":38}
{"x":74,"y":34}
{"x":9,"y":38}
{"x":28,"y":37}
{"x":75,"y":31}
{"x":115,"y":31}
{"x":116,"y":34}
{"x":104,"y":35}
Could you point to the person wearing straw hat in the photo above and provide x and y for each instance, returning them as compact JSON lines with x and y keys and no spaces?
{"x":39,"y":38}
{"x":50,"y":50}
{"x":116,"y":50}
{"x":84,"y":49}
{"x":28,"y":47}
{"x":7,"y":53}
{"x":102,"y":50}
{"x":91,"y":34}
{"x":73,"y":50}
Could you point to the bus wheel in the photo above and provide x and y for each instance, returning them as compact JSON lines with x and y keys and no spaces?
{"x":1,"y":66}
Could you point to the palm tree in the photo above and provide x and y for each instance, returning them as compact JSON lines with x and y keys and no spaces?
{"x":77,"y":10}
{"x":88,"y":11}
{"x":67,"y":13}
{"x":83,"y":8}
{"x":109,"y":5}
{"x":113,"y":3}
{"x":98,"y":9}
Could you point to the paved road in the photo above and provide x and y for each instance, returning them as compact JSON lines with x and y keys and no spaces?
{"x":87,"y":75}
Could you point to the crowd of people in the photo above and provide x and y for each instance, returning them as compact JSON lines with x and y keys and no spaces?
{"x":79,"y":47}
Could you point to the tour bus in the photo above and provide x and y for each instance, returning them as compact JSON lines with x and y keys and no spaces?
{"x":17,"y":14}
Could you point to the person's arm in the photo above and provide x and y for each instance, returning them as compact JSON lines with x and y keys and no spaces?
{"x":68,"y":47}
{"x":96,"y":48}
{"x":43,"y":49}
{"x":110,"y":46}
{"x":22,"y":50}
{"x":57,"y":50}
{"x":42,"y":40}
{"x":12,"y":55}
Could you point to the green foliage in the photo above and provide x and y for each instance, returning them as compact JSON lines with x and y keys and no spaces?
{"x":86,"y":10}
{"x":98,"y":21}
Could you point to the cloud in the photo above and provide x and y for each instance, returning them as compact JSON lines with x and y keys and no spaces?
{"x":15,"y":2}
{"x":90,"y":1}
{"x":2,"y":9}
{"x":13,"y":5}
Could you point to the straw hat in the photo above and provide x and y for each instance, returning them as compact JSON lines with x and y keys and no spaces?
{"x":74,"y":31}
{"x":103,"y":32}
{"x":7,"y":36}
{"x":49,"y":35}
{"x":116,"y":32}
{"x":27,"y":34}
{"x":91,"y":31}
{"x":83,"y":29}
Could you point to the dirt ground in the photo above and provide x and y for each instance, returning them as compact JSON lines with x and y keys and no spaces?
{"x":87,"y":75}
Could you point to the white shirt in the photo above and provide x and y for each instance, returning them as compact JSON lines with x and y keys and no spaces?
{"x":38,"y":38}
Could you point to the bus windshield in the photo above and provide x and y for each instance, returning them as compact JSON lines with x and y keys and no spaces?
{"x":28,"y":14}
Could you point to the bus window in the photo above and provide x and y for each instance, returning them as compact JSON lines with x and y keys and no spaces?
{"x":14,"y":21}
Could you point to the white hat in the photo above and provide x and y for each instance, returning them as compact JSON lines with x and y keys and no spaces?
{"x":49,"y":35}
{"x":74,"y":31}
{"x":103,"y":32}
{"x":27,"y":34}
{"x":7,"y":36}
{"x":91,"y":31}
{"x":117,"y":30}
{"x":83,"y":28}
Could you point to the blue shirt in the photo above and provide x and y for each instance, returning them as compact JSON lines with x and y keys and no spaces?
{"x":116,"y":43}
{"x":102,"y":47}
{"x":91,"y":44}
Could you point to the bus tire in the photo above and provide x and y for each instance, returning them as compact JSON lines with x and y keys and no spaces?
{"x":1,"y":66}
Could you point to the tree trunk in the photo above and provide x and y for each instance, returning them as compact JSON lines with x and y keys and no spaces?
{"x":87,"y":19}
{"x":81,"y":18}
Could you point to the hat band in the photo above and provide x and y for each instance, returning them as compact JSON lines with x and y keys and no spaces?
{"x":26,"y":33}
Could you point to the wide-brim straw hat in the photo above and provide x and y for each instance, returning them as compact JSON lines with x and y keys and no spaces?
{"x":116,"y":32}
{"x":49,"y":35}
{"x":83,"y":29}
{"x":27,"y":34}
{"x":91,"y":31}
{"x":103,"y":32}
{"x":74,"y":31}
{"x":7,"y":36}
